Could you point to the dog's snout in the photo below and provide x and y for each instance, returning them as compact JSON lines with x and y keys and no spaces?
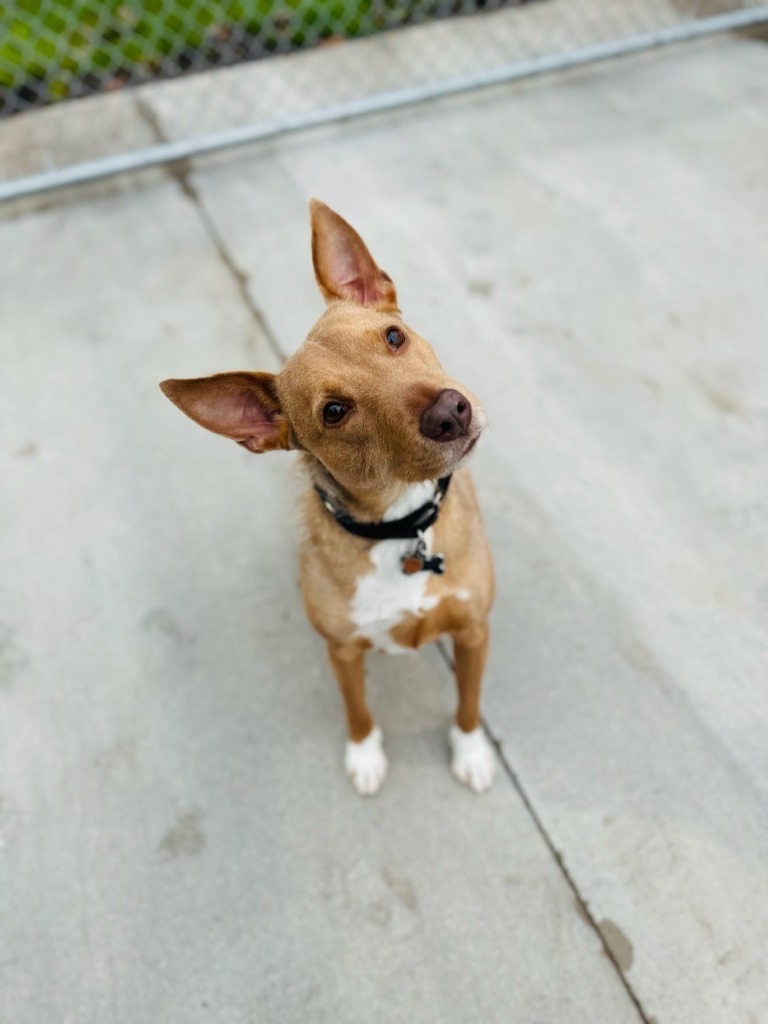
{"x":448,"y":417}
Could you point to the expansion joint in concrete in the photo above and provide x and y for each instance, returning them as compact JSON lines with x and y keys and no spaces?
{"x":181,"y":172}
{"x":540,"y":827}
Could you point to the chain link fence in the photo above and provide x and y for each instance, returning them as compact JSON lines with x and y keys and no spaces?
{"x":64,"y":49}
{"x":287,"y":63}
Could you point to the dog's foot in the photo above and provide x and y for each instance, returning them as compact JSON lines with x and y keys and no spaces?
{"x":366,"y":763}
{"x":472,"y":759}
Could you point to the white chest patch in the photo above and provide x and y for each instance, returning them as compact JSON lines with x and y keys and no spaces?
{"x":386,"y":594}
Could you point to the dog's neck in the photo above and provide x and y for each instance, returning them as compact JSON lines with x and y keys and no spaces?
{"x":370,"y":504}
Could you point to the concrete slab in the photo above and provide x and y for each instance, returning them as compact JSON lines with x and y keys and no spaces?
{"x":584,"y":253}
{"x":56,"y":137}
{"x":179,"y":842}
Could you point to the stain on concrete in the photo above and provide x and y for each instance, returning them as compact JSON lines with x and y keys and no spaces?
{"x":484,"y":288}
{"x":117,"y":759}
{"x":27,"y":451}
{"x":312,"y":993}
{"x":638,"y":654}
{"x":160,"y":620}
{"x":618,"y":944}
{"x":13,"y":659}
{"x":379,"y":913}
{"x":717,"y":398}
{"x":184,"y":838}
{"x":379,"y":895}
{"x":401,"y":887}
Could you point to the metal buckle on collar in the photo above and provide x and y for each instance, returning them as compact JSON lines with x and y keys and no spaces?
{"x":418,"y":562}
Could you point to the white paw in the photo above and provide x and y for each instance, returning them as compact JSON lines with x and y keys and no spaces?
{"x":472,"y":759}
{"x":366,"y":763}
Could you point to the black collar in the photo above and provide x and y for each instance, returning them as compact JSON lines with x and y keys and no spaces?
{"x":409,"y":527}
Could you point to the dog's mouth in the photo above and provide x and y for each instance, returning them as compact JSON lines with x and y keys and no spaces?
{"x":461,"y":453}
{"x":471,"y":446}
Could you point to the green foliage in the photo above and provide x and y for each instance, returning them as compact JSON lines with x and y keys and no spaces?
{"x":46,"y":45}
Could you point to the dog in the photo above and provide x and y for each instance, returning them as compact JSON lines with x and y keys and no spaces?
{"x":393,"y":554}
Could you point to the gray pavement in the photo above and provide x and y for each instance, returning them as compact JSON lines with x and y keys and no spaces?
{"x":177,"y":840}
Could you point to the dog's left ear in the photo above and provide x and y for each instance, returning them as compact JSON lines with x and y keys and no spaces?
{"x":242,"y":405}
{"x":343,"y":266}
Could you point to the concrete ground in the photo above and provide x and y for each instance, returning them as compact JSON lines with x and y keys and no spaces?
{"x":179,"y":844}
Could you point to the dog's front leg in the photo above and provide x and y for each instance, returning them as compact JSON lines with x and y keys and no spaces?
{"x":472,"y":758}
{"x":364,"y":759}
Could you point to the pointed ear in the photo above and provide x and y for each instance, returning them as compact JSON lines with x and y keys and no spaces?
{"x":243,"y":406}
{"x":343,"y":266}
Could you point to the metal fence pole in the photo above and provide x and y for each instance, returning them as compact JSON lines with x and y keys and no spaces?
{"x":167,"y":153}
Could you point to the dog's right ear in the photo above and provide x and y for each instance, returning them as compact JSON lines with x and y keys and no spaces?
{"x":344,"y":268}
{"x":242,"y":405}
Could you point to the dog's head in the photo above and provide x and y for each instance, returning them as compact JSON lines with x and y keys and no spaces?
{"x":365,"y":395}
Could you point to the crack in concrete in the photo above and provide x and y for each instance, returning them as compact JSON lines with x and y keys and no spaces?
{"x":584,"y":910}
{"x":581,"y":904}
{"x":181,"y":172}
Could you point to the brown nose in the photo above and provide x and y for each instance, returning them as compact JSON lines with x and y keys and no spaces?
{"x":448,"y":417}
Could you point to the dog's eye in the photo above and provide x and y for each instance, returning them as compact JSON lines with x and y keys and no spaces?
{"x":334,"y":412}
{"x":395,"y":337}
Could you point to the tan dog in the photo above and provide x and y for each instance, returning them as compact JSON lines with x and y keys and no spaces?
{"x":390,"y":559}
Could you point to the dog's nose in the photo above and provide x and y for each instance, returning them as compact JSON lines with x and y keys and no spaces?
{"x":448,"y":417}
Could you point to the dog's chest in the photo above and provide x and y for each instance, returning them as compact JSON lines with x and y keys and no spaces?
{"x":385,"y":595}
